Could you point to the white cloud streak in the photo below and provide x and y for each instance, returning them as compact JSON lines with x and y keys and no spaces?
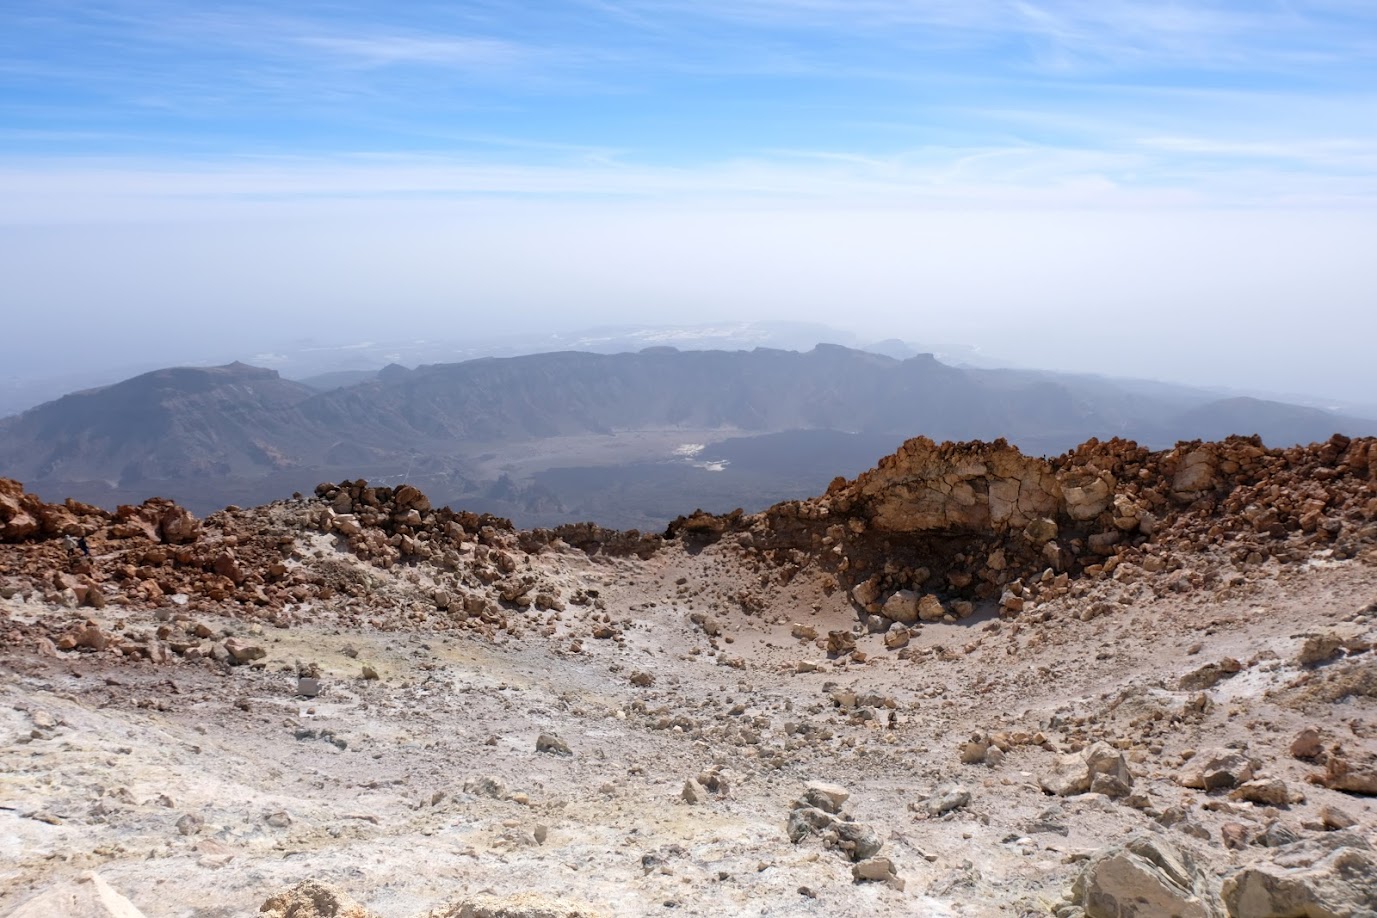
{"x":386,"y":50}
{"x":1153,"y":172}
{"x":1067,"y":33}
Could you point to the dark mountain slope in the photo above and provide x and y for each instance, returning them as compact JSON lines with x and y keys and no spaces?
{"x":495,"y":400}
{"x":1283,"y":424}
{"x":176,"y":423}
{"x":242,"y":433}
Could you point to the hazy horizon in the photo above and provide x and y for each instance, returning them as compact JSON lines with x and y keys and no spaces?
{"x":1185,"y":193}
{"x":310,"y":359}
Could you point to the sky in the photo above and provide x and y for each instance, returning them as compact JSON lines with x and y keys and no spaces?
{"x":1178,"y":190}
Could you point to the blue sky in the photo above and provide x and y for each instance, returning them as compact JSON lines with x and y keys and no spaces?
{"x":627,"y":95}
{"x":288,"y":159}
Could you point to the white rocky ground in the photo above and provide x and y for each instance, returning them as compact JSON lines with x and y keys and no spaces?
{"x":198,"y":791}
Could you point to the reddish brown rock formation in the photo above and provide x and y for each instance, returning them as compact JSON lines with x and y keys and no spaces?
{"x":24,"y":516}
{"x":982,"y":520}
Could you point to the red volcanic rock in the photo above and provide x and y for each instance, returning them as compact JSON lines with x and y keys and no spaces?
{"x":158,"y":520}
{"x":16,"y":523}
{"x":988,"y":521}
{"x":24,"y":516}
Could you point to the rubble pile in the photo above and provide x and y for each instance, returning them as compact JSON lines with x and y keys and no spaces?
{"x":261,"y":564}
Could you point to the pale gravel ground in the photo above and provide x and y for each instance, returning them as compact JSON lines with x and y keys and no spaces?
{"x":225,"y":747}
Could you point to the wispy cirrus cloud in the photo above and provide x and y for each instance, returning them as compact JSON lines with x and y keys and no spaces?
{"x":1152,"y":174}
{"x":373,"y":50}
{"x":1316,"y":153}
{"x":222,"y":55}
{"x":1118,"y":34}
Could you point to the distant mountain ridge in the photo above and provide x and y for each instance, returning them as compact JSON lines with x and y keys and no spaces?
{"x":179,"y":422}
{"x":224,"y":429}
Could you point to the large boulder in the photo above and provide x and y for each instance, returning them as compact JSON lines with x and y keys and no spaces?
{"x":1265,"y":792}
{"x":408,"y":497}
{"x":1322,"y":646}
{"x":1340,"y":884}
{"x":59,"y":521}
{"x":1145,"y":877}
{"x":858,"y":840}
{"x":840,"y":643}
{"x":227,"y":565}
{"x":875,"y":869}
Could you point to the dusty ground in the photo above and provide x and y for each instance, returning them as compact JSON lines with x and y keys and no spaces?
{"x":378,"y":786}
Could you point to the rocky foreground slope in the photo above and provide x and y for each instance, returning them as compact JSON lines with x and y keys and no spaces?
{"x":969,"y":682}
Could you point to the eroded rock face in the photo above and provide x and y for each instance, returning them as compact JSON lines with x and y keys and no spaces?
{"x":1145,"y":877}
{"x":974,"y":487}
{"x":157,"y":553}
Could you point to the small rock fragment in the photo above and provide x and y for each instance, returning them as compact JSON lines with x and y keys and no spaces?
{"x":1264,"y":791}
{"x":945,"y":798}
{"x":190,"y":824}
{"x":549,"y":743}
